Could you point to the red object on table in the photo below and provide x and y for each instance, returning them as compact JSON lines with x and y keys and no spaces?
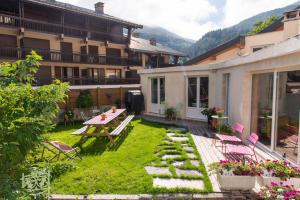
{"x":109,"y":117}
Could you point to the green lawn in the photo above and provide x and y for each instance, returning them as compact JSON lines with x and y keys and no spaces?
{"x":106,"y":170}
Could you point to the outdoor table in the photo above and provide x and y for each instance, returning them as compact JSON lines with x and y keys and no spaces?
{"x":102,"y":124}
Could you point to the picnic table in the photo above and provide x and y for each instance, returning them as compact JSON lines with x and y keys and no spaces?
{"x":101,"y":126}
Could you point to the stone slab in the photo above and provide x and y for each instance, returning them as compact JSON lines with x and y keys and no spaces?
{"x":188,"y":149}
{"x":195,"y":163}
{"x":158,"y":170}
{"x":170,"y":156}
{"x":179,"y":139}
{"x":182,"y":172}
{"x":177,"y":163}
{"x":191,"y":155}
{"x":178,"y":183}
{"x":181,"y":129}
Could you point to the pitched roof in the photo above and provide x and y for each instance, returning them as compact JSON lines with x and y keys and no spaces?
{"x":143,"y":45}
{"x":213,"y":51}
{"x":85,"y":11}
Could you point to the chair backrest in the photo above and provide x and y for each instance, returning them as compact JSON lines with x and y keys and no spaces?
{"x":238,"y":128}
{"x":253,"y":139}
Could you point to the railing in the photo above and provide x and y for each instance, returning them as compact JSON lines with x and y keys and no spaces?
{"x":58,"y":56}
{"x":46,"y":27}
{"x":88,"y":81}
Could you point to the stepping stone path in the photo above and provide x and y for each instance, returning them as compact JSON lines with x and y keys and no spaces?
{"x":180,"y":172}
{"x":178,"y":183}
{"x":168,"y":150}
{"x":158,"y":170}
{"x":188,"y":149}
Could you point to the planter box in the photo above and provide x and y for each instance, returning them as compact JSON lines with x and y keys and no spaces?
{"x":293,"y":181}
{"x":266,"y":180}
{"x":236,"y":182}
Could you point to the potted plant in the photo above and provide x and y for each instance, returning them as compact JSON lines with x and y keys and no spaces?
{"x":225,"y":129}
{"x":220,"y":112}
{"x":170,"y":113}
{"x":113,"y":109}
{"x":209,"y":112}
{"x":279,"y":191}
{"x":234,"y":175}
{"x":103,"y":117}
{"x":276,"y":171}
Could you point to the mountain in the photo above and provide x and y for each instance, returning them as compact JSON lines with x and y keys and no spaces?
{"x":214,"y":38}
{"x":165,"y":37}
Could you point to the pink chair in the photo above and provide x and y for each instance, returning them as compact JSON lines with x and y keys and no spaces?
{"x":241,"y":149}
{"x":238,"y":128}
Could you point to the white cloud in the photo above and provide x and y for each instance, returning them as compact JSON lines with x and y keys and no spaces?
{"x":238,"y":10}
{"x":188,"y":18}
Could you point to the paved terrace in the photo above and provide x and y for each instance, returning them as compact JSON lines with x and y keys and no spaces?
{"x":203,"y":138}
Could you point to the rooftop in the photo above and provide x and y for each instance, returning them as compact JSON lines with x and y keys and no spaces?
{"x":85,"y":11}
{"x":143,"y":45}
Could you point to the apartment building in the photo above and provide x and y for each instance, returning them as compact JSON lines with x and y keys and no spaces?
{"x":78,"y":45}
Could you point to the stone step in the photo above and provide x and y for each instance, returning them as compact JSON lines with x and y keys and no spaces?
{"x":178,"y":183}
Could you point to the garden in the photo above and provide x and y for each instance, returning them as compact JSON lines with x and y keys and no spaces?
{"x":146,"y":158}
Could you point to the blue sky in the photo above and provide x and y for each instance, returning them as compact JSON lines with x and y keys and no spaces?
{"x":187,"y":18}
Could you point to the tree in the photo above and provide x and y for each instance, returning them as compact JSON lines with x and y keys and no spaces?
{"x":261,"y":25}
{"x":26,"y":113}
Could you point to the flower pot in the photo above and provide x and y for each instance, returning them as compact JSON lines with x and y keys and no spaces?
{"x":293,"y":181}
{"x":103,"y":117}
{"x":267,"y":180}
{"x":236,"y":182}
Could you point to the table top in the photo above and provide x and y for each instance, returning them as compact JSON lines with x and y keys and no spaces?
{"x":109,"y":117}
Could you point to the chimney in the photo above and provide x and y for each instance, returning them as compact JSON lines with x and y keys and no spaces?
{"x":153,"y":41}
{"x":99,"y":8}
{"x":291,"y":23}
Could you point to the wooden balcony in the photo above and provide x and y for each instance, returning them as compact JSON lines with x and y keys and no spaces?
{"x":88,"y":81}
{"x":74,"y":57}
{"x":58,"y":29}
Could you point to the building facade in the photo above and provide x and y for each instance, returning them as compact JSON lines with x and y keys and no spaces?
{"x":258,"y":87}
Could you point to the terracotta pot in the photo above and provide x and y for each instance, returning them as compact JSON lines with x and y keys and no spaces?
{"x":103,"y":117}
{"x":236,"y":182}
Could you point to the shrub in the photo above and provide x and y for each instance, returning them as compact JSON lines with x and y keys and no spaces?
{"x":84,"y":99}
{"x":170,"y":113}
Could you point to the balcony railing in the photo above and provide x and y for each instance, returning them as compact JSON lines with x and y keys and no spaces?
{"x":58,"y":56}
{"x":46,"y":27}
{"x":88,"y":81}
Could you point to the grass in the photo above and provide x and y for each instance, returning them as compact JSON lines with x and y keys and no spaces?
{"x":118,"y":169}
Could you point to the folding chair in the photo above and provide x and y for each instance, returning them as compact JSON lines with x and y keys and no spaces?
{"x":62,"y":148}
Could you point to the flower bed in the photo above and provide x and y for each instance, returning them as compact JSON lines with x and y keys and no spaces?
{"x":279,"y":191}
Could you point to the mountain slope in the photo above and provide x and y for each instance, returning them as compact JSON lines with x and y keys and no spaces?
{"x":218,"y":37}
{"x":165,"y":37}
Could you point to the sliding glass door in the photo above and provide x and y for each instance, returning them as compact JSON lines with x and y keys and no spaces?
{"x":157,"y":95}
{"x":276,"y":111}
{"x":288,"y":111}
{"x":197,"y":97}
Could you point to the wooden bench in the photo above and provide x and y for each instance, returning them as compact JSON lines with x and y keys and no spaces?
{"x":122,"y":126}
{"x":80,"y":131}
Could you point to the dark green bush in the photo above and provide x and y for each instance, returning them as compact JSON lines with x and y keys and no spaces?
{"x":84,"y":99}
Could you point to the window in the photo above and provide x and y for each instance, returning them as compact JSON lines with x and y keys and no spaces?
{"x":192,"y":92}
{"x":113,"y":73}
{"x":162,"y":89}
{"x":154,"y":91}
{"x":203,"y":101}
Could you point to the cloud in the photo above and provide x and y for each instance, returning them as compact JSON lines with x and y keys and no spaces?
{"x":187,"y":18}
{"x":238,"y":10}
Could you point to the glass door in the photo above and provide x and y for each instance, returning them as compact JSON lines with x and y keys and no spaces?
{"x":288,"y":109}
{"x":197,"y":97}
{"x":157,"y":95}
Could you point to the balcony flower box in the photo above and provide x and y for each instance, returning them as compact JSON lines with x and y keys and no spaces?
{"x":234,"y":175}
